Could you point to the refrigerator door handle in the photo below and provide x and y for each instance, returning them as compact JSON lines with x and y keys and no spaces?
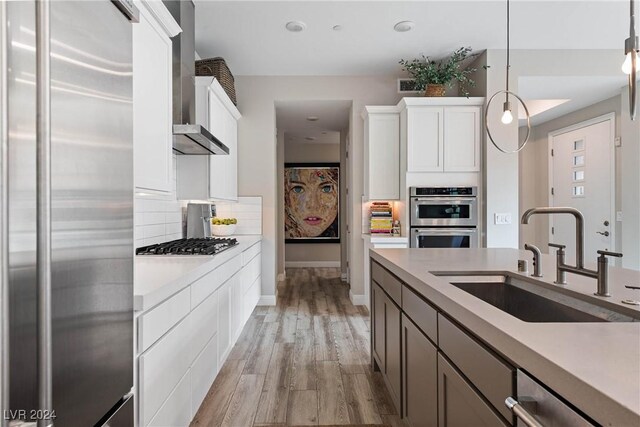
{"x":43,"y":208}
{"x":4,"y":216}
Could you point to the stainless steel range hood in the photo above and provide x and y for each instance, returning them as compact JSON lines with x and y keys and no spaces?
{"x":188,"y":136}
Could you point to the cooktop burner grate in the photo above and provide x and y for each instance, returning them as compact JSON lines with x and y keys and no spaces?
{"x":203,"y":246}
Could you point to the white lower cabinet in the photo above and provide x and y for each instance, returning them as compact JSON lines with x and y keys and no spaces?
{"x":252,"y":297}
{"x":204,"y":320}
{"x":162,"y":367}
{"x":224,"y":320}
{"x":203,"y":373}
{"x":180,"y":358}
{"x":237,"y":306}
{"x":176,"y":410}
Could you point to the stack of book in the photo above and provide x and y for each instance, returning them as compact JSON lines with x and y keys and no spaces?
{"x":380,"y":218}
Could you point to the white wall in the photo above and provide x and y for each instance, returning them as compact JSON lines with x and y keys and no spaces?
{"x":596,"y":63}
{"x":344,"y":185}
{"x":500,"y":169}
{"x":534,"y":168}
{"x":300,"y":254}
{"x":630,"y":188}
{"x":257,"y":166}
{"x":280,"y":206}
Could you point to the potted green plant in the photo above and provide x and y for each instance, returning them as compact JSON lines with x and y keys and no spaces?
{"x":432,"y":76}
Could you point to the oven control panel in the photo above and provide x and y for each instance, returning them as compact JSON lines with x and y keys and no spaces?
{"x":443,"y":191}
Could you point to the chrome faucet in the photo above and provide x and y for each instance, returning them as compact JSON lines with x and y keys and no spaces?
{"x":537,"y":259}
{"x":602,"y":274}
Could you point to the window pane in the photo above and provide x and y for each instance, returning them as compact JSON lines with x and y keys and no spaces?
{"x":578,"y":175}
{"x":578,"y":145}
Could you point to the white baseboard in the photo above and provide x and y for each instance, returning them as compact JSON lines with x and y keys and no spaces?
{"x":267,"y":300}
{"x":357,"y":299}
{"x":317,"y":264}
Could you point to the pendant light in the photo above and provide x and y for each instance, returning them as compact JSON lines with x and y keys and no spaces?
{"x":630,"y":65}
{"x":507,"y":112}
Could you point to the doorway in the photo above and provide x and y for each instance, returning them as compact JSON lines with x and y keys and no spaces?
{"x":582,"y":175}
{"x":312,"y":145}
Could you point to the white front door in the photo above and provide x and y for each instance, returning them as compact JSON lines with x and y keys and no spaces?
{"x":583,"y":177}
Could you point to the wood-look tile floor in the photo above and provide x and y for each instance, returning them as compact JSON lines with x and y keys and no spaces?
{"x":303,"y":362}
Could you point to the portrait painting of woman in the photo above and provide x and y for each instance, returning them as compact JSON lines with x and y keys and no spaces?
{"x":312,"y":202}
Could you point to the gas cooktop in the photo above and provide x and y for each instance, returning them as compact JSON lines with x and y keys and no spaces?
{"x":202,"y":246}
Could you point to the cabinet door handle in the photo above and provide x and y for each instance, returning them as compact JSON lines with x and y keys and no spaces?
{"x":521,"y":413}
{"x":604,"y":233}
{"x":43,"y":204}
{"x":4,"y":217}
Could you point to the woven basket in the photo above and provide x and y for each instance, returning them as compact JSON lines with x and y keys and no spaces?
{"x":217,"y":68}
{"x":435,"y":90}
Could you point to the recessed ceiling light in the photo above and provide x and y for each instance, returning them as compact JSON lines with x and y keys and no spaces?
{"x":404,"y":26}
{"x":310,"y":138}
{"x":295,"y":26}
{"x":337,"y":27}
{"x":312,"y":118}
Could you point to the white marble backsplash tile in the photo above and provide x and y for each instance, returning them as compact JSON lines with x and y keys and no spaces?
{"x":158,"y":218}
{"x":248,"y":212}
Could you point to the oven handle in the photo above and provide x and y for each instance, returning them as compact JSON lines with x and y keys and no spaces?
{"x":452,"y":200}
{"x":444,"y":231}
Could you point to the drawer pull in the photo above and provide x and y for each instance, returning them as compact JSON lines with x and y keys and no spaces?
{"x":521,"y":413}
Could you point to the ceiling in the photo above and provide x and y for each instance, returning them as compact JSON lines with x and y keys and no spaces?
{"x":333,"y":117}
{"x":551,"y":97}
{"x":251,"y":36}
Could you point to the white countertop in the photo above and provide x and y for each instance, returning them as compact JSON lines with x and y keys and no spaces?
{"x":595,"y":366}
{"x":385,"y":238}
{"x":157,"y":277}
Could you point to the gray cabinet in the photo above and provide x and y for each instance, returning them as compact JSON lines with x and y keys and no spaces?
{"x":436,"y":373}
{"x":378,"y":314}
{"x":458,"y":403}
{"x":394,"y":353}
{"x":386,"y":340}
{"x":489,"y":374}
{"x":419,"y":377}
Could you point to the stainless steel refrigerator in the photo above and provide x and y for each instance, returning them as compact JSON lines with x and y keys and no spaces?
{"x":67,"y":212}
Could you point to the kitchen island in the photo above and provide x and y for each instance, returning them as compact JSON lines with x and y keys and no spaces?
{"x":595,"y":366}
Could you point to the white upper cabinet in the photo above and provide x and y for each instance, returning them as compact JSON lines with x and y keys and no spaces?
{"x":381,"y":153}
{"x":462,"y":139}
{"x":224,"y":169}
{"x":425,"y":152}
{"x":443,"y":134}
{"x":215,"y":176}
{"x":152,"y":98}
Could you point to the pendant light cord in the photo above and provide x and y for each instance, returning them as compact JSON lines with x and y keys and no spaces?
{"x":632,"y":20}
{"x":508,"y":50}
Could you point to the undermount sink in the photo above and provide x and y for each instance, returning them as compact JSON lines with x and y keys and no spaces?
{"x":530,"y":302}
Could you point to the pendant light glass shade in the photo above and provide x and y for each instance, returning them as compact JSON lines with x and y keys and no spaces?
{"x":627,"y":64}
{"x":507,"y":112}
{"x":507,"y":116}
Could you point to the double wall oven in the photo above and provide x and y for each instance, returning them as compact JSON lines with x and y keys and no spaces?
{"x":444,"y":217}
